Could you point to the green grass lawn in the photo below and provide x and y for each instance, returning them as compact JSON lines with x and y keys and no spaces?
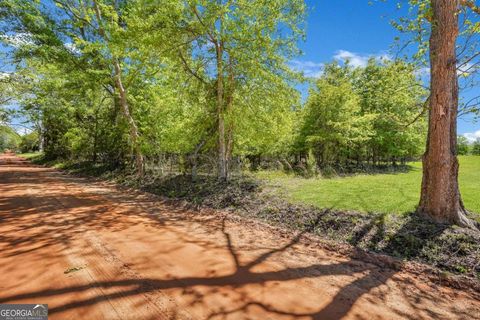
{"x":385,"y":193}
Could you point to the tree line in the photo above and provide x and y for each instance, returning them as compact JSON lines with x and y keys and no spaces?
{"x":466,"y":147}
{"x":126,"y":81}
{"x":130,"y":83}
{"x":137,"y":83}
{"x":358,"y":116}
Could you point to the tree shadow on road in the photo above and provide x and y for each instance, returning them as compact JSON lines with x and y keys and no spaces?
{"x":67,"y":216}
{"x":366,"y":277}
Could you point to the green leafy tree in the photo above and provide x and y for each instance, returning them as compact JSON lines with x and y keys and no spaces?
{"x":236,"y":42}
{"x":476,"y":148}
{"x":391,"y":92}
{"x":334,"y":126}
{"x":354,"y":115}
{"x":9,"y":139}
{"x":463,"y":147}
{"x":29,"y":142}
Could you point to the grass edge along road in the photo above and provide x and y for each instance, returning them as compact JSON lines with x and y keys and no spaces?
{"x":386,"y":193}
{"x":403,"y":236}
{"x":389,"y":193}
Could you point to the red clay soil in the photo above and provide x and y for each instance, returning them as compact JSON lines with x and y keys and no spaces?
{"x":92,"y":251}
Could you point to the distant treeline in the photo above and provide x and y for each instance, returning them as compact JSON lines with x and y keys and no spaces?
{"x":353,"y":119}
{"x":364,"y":116}
{"x":466,"y":147}
{"x":9,"y":139}
{"x":200,"y":86}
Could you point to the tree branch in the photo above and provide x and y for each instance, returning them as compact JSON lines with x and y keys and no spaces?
{"x":471,"y":5}
{"x":187,"y":68}
{"x":424,"y":109}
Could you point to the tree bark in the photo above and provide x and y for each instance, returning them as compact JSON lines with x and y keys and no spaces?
{"x":222,"y":154}
{"x":95,"y":140}
{"x":440,"y":197}
{"x":194,"y":158}
{"x":134,"y":135}
{"x":41,"y":137}
{"x":139,"y":162}
{"x":229,"y":110}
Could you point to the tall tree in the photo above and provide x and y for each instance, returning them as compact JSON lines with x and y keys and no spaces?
{"x":440,"y":195}
{"x":237,"y":41}
{"x":453,"y":52}
{"x":99,"y":43}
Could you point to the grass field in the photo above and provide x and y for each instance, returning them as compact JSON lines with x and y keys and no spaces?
{"x":385,"y":193}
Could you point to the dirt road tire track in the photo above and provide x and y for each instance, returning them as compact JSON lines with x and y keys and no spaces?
{"x":130,"y":256}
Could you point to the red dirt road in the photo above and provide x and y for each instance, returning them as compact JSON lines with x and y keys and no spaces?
{"x":131,"y":256}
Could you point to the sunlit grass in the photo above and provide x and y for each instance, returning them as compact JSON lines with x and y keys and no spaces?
{"x":386,"y":193}
{"x":30,"y":155}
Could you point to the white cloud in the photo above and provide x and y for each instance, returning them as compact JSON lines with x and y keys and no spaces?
{"x":71,"y":47}
{"x":18,"y":39}
{"x":423,"y":72}
{"x":309,"y":68}
{"x":357,"y":60}
{"x":472,"y":136}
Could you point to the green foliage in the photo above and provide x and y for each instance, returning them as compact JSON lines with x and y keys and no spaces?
{"x":265,"y":119}
{"x":334,"y":125}
{"x":476,"y":148}
{"x":30,"y":142}
{"x":185,"y":67}
{"x":364,"y":114}
{"x":463,"y":147}
{"x":75,"y":53}
{"x":9,"y":139}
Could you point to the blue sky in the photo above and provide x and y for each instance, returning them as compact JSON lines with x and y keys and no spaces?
{"x":352,"y":28}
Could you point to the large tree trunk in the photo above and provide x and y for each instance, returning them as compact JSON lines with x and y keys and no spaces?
{"x":134,"y":135}
{"x":440,"y":195}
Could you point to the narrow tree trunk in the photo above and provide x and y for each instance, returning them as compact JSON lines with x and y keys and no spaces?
{"x":440,"y":195}
{"x":229,"y":110}
{"x":139,"y":163}
{"x":95,"y":140}
{"x":194,"y":158}
{"x":222,"y":159}
{"x":222,"y":155}
{"x":41,"y":138}
{"x":134,"y":135}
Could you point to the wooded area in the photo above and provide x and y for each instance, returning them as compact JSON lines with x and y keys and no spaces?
{"x":206,"y":87}
{"x":240,"y":159}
